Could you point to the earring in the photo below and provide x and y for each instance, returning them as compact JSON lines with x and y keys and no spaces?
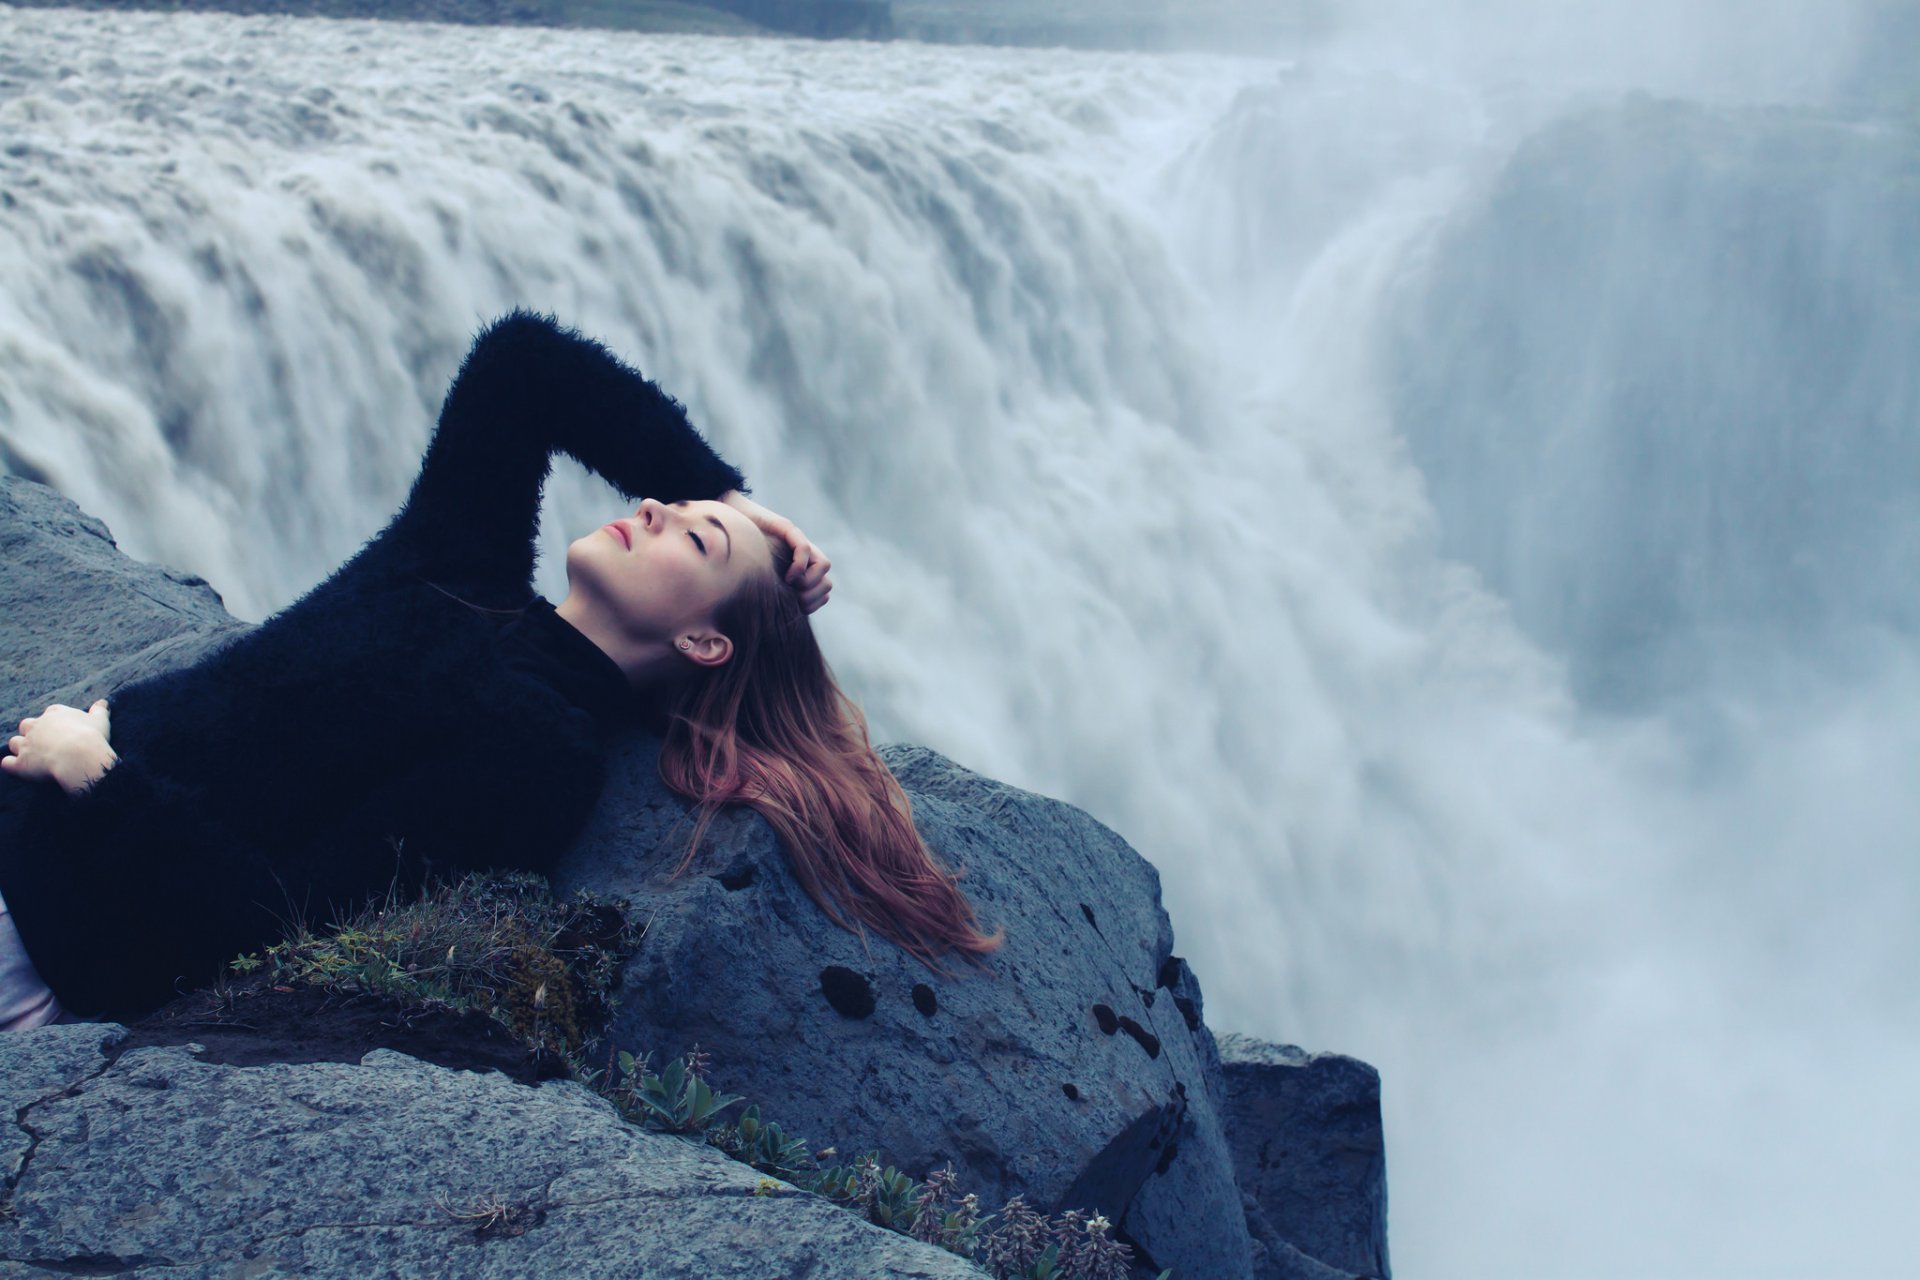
{"x":686,"y":644}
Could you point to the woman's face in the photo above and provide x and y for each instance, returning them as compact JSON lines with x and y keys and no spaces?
{"x":668,"y":567}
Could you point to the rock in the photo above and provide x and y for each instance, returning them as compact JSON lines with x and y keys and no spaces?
{"x":156,"y":1162}
{"x":1310,"y":1154}
{"x":62,"y":1057}
{"x":1275,"y":1259}
{"x":1081,"y":1075}
{"x":82,"y":617}
{"x":820,"y":19}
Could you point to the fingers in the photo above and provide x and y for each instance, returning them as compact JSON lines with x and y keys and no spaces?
{"x":59,"y":712}
{"x":30,"y":754}
{"x":807,"y":574}
{"x":809,"y":564}
{"x":803,"y":556}
{"x":808,"y":577}
{"x":57,"y":724}
{"x":815,"y":589}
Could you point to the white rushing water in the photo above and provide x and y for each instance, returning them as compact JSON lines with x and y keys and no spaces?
{"x":1078,"y":367}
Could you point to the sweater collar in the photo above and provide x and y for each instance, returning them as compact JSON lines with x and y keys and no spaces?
{"x":548,"y":646}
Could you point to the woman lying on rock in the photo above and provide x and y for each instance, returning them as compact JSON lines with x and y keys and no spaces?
{"x":422,"y":713}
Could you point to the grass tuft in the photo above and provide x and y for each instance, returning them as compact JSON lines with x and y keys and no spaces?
{"x":496,"y":942}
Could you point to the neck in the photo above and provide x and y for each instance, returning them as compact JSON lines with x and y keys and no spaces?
{"x":647,"y":663}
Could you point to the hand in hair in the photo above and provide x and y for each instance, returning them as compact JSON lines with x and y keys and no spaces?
{"x":808,"y":575}
{"x":64,"y":744}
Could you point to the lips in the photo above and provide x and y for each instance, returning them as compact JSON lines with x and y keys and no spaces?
{"x":620,"y":531}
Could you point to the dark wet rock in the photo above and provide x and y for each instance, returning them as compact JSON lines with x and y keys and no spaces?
{"x":1310,"y":1155}
{"x":251,"y":1020}
{"x":864,"y":1047}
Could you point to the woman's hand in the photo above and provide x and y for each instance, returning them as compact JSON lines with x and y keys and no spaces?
{"x":808,"y":576}
{"x":70,"y":746}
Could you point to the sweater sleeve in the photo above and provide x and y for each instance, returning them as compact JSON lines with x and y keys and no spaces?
{"x":122,"y":888}
{"x":134,"y":892}
{"x":528,"y":388}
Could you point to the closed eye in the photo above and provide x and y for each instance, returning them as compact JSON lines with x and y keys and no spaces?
{"x":697,"y":542}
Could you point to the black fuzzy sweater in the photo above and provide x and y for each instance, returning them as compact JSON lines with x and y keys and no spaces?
{"x":376,"y":731}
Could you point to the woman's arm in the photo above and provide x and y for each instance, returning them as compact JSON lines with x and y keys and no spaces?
{"x":530,"y":387}
{"x":125,"y":888}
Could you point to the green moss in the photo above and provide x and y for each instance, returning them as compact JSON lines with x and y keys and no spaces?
{"x":498,"y":943}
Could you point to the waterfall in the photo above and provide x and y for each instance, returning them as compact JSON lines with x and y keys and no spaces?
{"x":1114,"y":386}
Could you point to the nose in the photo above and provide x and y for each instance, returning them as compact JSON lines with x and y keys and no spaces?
{"x":651,"y":513}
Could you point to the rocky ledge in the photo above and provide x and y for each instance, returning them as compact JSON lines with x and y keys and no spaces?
{"x":153,"y":1162}
{"x":1081,"y":1074}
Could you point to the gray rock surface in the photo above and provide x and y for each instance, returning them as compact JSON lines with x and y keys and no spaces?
{"x":158,"y":1163}
{"x":60,"y":1058}
{"x":81,"y":617}
{"x":1081,"y":1074}
{"x":1309,"y":1152}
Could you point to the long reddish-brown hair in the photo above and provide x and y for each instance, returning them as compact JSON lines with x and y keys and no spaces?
{"x":771,"y":729}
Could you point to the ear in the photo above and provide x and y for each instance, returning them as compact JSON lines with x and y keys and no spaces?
{"x":706,"y":648}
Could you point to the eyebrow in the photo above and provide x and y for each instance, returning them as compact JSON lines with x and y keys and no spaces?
{"x":715,"y":522}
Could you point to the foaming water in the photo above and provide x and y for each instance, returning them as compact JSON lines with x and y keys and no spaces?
{"x":1078,"y":365}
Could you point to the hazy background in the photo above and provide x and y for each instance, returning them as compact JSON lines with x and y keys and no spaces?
{"x":1439,"y":479}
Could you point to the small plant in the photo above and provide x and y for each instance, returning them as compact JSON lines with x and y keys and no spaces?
{"x":492,"y":1217}
{"x":1018,"y":1243}
{"x":885,"y":1197}
{"x":764,"y":1145}
{"x":677,"y":1100}
{"x":939,"y":1218}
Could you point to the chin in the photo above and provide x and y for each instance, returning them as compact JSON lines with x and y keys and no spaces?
{"x":581,"y":559}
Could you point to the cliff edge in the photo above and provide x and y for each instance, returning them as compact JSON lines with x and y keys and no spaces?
{"x":1080,"y":1074}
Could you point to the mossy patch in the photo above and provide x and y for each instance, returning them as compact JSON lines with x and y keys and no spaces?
{"x":486,"y":973}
